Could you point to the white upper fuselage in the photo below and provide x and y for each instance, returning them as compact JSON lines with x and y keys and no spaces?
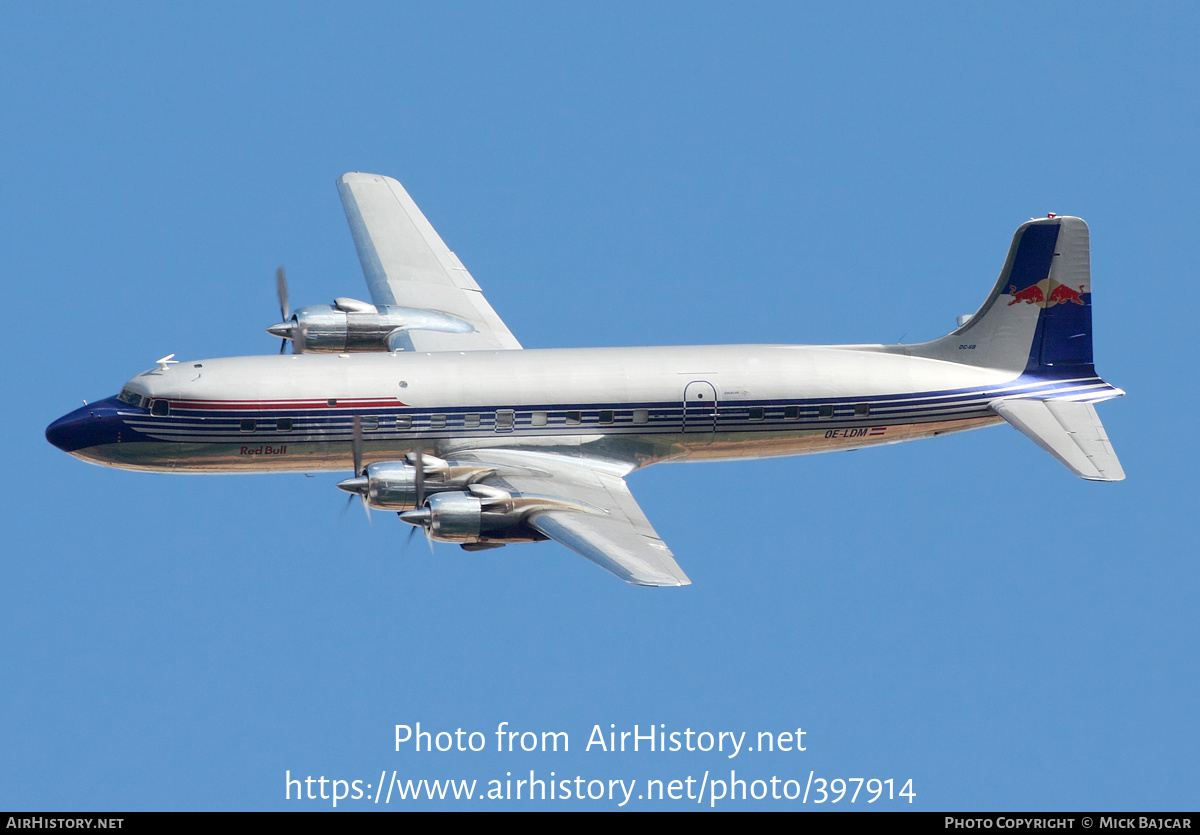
{"x":508,"y":379}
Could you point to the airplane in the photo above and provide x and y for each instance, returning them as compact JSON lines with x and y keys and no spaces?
{"x":447,"y":421}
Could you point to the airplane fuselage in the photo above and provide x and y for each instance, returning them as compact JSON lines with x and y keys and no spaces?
{"x":630,"y":406}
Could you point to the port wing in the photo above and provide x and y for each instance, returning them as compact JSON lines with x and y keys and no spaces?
{"x":595,"y":516}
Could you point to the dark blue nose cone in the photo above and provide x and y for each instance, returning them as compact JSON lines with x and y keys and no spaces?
{"x":62,"y":433}
{"x":90,"y":425}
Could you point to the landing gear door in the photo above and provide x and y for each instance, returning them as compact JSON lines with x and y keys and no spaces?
{"x":699,"y":407}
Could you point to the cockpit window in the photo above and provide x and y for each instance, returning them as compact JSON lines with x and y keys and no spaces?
{"x":161,"y":408}
{"x":130,"y":397}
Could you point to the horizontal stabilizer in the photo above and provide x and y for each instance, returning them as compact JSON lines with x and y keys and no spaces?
{"x":1069,"y":430}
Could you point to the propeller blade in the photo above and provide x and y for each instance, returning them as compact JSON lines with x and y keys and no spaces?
{"x":281,"y":290}
{"x":361,"y":483}
{"x":356,"y":445}
{"x":363,"y":499}
{"x":420,"y":485}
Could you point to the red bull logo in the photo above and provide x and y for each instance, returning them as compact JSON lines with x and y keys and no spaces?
{"x":1030,"y":295}
{"x":1046,"y":293}
{"x":1063,"y":294}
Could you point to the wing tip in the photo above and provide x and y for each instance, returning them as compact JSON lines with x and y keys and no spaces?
{"x":660,"y":581}
{"x":354,"y":177}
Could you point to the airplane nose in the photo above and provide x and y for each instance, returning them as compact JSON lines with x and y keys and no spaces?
{"x":65,"y":433}
{"x":87,"y":426}
{"x":58,"y":434}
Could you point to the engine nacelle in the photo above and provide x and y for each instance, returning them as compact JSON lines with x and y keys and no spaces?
{"x":454,"y":517}
{"x":351,"y":326}
{"x":466,"y":519}
{"x":391,"y":485}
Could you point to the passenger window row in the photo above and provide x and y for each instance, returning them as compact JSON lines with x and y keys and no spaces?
{"x":506,"y":418}
{"x":826,"y":410}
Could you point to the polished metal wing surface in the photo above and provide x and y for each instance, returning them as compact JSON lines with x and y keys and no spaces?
{"x":589,"y":509}
{"x":1070,"y":431}
{"x":406,"y":264}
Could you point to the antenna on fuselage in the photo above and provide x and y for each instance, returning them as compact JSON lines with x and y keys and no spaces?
{"x":165,"y":361}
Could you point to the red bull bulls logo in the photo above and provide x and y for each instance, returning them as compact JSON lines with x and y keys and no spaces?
{"x":1063,"y":294}
{"x":1046,"y":293}
{"x":1030,"y":295}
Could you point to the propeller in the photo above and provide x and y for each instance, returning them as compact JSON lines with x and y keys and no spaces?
{"x":360,"y":484}
{"x":417,"y":459}
{"x":281,"y":290}
{"x":285,"y":329}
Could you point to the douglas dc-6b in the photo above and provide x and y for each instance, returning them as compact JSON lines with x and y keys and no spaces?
{"x":448,"y":422}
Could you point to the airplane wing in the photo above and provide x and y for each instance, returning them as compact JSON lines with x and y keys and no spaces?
{"x":407,"y":264}
{"x":598,"y":518}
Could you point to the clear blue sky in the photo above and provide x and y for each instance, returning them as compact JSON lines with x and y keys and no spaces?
{"x":962,"y":612}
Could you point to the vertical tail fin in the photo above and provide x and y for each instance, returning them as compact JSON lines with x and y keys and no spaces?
{"x":1037,"y":323}
{"x":1038,"y":317}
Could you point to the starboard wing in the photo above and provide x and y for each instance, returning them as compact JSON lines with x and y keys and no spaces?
{"x":407,"y":264}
